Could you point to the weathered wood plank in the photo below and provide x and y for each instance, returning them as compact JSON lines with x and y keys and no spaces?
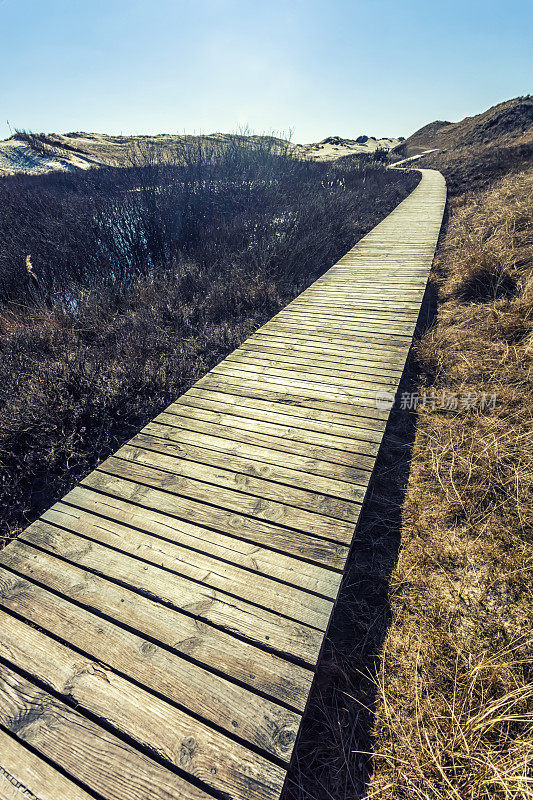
{"x":362,"y":349}
{"x":253,"y":623}
{"x":140,"y":451}
{"x":301,"y":398}
{"x":84,"y":749}
{"x":365,"y":383}
{"x":280,"y":437}
{"x":180,"y":740}
{"x":326,"y":552}
{"x":273,"y":472}
{"x":304,"y":358}
{"x":335,"y":434}
{"x":25,"y":776}
{"x":185,"y":635}
{"x":299,"y":416}
{"x":340,"y":399}
{"x":226,"y":441}
{"x":248,"y":555}
{"x":247,"y":715}
{"x":203,"y":569}
{"x":345,"y":338}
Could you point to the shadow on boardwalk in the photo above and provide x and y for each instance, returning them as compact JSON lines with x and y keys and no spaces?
{"x":332,"y":759}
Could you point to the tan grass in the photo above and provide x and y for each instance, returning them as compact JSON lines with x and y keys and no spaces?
{"x":455,"y":693}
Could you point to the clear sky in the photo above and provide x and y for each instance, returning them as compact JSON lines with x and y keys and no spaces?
{"x":336,"y":67}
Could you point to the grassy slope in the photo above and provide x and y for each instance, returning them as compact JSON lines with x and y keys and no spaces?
{"x":478,"y":150}
{"x":455,"y":713}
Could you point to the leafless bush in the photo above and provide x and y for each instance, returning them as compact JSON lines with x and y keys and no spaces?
{"x":141,"y":280}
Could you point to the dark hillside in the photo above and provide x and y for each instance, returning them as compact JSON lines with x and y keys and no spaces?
{"x":501,"y":124}
{"x":478,"y":150}
{"x":420,"y":141}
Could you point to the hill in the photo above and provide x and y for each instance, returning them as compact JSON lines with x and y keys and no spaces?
{"x":46,"y":152}
{"x":335,"y":147}
{"x":477,"y":150}
{"x":504,"y":123}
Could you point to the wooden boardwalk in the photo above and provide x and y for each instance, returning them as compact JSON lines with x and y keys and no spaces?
{"x":159,"y":627}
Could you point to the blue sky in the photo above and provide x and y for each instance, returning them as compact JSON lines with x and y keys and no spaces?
{"x":319,"y":68}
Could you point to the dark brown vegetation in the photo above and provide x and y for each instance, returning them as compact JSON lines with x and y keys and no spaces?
{"x":500,"y":125}
{"x":121,"y":287}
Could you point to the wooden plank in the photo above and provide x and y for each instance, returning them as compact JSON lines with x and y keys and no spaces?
{"x":352,"y":296}
{"x":237,"y":447}
{"x":10,"y":790}
{"x":360,"y":390}
{"x":350,"y":299}
{"x":403,"y":289}
{"x":325,"y":552}
{"x":252,"y":623}
{"x":341,"y":399}
{"x":350,"y":319}
{"x":104,"y":763}
{"x":25,"y":776}
{"x":340,"y":315}
{"x":336,"y":433}
{"x":316,"y":368}
{"x":140,"y":451}
{"x":378,"y":352}
{"x":191,"y":501}
{"x":237,"y":710}
{"x":363,"y":385}
{"x":253,"y":467}
{"x":249,"y":556}
{"x":346,"y":321}
{"x":261,"y":671}
{"x":326,"y":311}
{"x":299,"y":398}
{"x":359,"y":453}
{"x":224,"y":576}
{"x":221,"y":764}
{"x":344,"y":337}
{"x":301,"y":385}
{"x":302,"y":357}
{"x":354,"y":348}
{"x":310,"y":419}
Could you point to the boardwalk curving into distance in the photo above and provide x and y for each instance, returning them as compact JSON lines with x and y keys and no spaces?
{"x":159,"y":627}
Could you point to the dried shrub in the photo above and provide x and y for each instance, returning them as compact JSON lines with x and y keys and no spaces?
{"x":140,"y":280}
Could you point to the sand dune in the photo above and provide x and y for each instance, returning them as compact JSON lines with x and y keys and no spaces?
{"x":83,"y":150}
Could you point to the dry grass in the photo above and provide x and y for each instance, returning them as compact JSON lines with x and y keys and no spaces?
{"x":454,"y":716}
